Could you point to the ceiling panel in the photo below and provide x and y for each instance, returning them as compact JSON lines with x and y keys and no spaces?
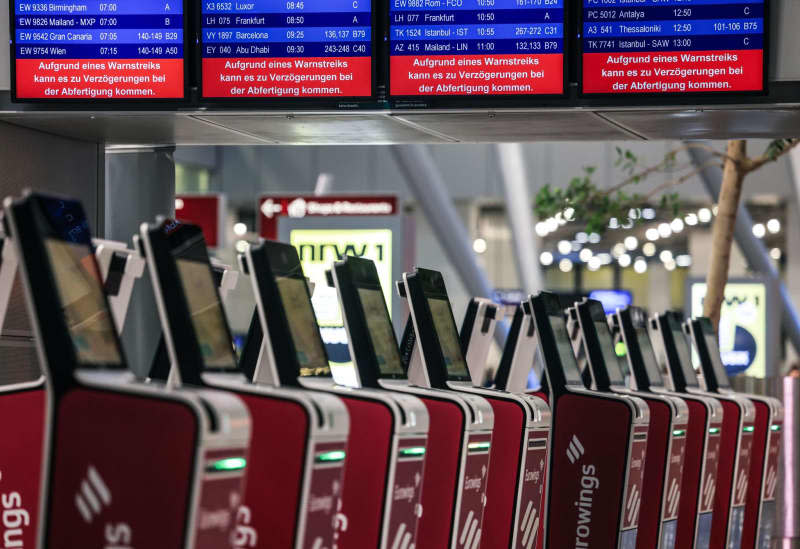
{"x":132,"y":129}
{"x":518,"y":126}
{"x":710,"y":124}
{"x":324,"y":129}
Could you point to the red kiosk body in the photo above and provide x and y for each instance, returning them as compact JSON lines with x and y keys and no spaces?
{"x":598,"y":450}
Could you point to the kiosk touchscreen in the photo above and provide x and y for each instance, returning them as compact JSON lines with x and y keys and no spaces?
{"x":760,"y":513}
{"x":516,"y":478}
{"x":695,"y":505}
{"x":388,"y":432}
{"x":112,"y":442}
{"x":735,"y":441}
{"x":299,"y":439}
{"x":666,"y":439}
{"x":599,"y":440}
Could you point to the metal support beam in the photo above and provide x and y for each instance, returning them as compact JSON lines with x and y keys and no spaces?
{"x":519,"y":207}
{"x":425,"y":180}
{"x":752,"y":248}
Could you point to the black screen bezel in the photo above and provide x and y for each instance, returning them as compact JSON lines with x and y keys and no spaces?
{"x":424,"y":284}
{"x":188,"y":49}
{"x":29,"y":224}
{"x":507,"y":358}
{"x":272,"y":260}
{"x":702,"y":329}
{"x":353,"y":274}
{"x":631,"y":331}
{"x":166,"y":238}
{"x":591,"y":311}
{"x":544,"y":306}
{"x":477,"y":101}
{"x":306,"y":103}
{"x":710,"y":96}
{"x":669,"y":324}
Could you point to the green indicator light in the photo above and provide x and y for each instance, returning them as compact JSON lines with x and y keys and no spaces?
{"x":679,"y":432}
{"x":714,"y":430}
{"x":228,"y":464}
{"x":620,"y":348}
{"x":479,"y":445}
{"x":749,"y":429}
{"x":412,"y":451}
{"x":330,"y":457}
{"x":775,"y":427}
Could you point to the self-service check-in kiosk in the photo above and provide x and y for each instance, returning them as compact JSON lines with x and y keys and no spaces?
{"x":299,"y":440}
{"x":388,"y":431}
{"x":521,"y":355}
{"x":517,"y":466}
{"x":23,"y":414}
{"x":723,"y":492}
{"x":594,"y":495}
{"x":760,"y":513}
{"x":701,"y":448}
{"x":666,"y":439}
{"x":114,"y":443}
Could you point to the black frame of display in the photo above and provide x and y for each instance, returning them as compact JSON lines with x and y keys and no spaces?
{"x":279,"y":103}
{"x":687,"y":96}
{"x":480,"y":101}
{"x":188,"y":50}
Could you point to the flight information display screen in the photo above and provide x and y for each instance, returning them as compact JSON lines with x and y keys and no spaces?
{"x":673,"y":46}
{"x":99,"y":49}
{"x":287,"y":49}
{"x":476,"y":47}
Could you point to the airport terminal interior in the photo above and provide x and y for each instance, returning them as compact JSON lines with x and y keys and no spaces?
{"x":400,"y":274}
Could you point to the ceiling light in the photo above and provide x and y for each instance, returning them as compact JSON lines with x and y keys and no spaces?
{"x":585,"y":255}
{"x":565,"y":265}
{"x":631,"y":243}
{"x":604,"y":258}
{"x":624,"y":260}
{"x":704,"y":215}
{"x":664,"y":230}
{"x":691,"y":219}
{"x":564,"y":247}
{"x":239,"y":229}
{"x":541,"y":229}
{"x":569,"y":214}
{"x":576,"y":246}
{"x":652,"y":234}
{"x":774,"y":226}
{"x":665,"y":256}
{"x":241,"y":246}
{"x":640,"y":265}
{"x":546,"y":259}
{"x":676,"y":225}
{"x":551,"y":224}
{"x":613,"y":223}
{"x":634,"y":213}
{"x":618,"y":249}
{"x":594,"y":238}
{"x":684,"y":260}
{"x":649,"y":249}
{"x":479,"y":245}
{"x":649,"y":213}
{"x":776,"y":254}
{"x":583,"y":238}
{"x":759,"y":230}
{"x":670,"y":265}
{"x":595,"y":263}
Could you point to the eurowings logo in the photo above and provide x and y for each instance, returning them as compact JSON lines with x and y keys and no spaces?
{"x":673,"y":498}
{"x":470,"y":532}
{"x":709,"y":487}
{"x":269,"y":208}
{"x":529,"y":526}
{"x":402,"y":539}
{"x":741,"y":487}
{"x":771,"y":483}
{"x":92,"y":496}
{"x":575,"y":450}
{"x":632,"y":507}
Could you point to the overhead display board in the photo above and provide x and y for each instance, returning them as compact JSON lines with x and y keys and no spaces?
{"x":287,"y":49}
{"x":476,"y":48}
{"x":89,"y":50}
{"x":673,"y":46}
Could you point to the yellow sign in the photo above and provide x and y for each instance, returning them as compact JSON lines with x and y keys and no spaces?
{"x":742,"y":326}
{"x":318,"y":250}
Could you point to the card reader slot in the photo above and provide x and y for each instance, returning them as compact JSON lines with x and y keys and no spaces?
{"x":639,"y":436}
{"x":537,"y":443}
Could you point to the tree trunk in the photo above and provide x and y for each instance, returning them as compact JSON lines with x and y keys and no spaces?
{"x":733,"y":175}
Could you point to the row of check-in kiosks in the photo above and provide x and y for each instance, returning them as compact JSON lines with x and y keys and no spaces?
{"x":266,"y":450}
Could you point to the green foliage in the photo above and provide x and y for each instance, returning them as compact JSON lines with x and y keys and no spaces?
{"x":777,"y":147}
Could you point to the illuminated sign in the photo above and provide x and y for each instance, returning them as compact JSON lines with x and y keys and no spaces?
{"x":672,"y":46}
{"x":271,"y":208}
{"x":476,"y":48}
{"x":318,"y":250}
{"x":288,"y":49}
{"x":742,"y":327}
{"x":89,"y":50}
